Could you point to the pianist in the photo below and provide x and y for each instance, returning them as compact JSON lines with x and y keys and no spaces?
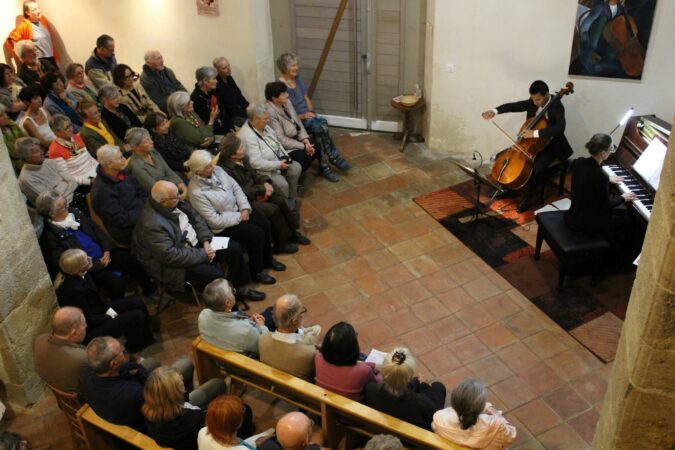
{"x":593,"y":211}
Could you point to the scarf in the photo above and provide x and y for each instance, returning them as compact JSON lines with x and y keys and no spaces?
{"x":69,"y":223}
{"x":73,"y":148}
{"x":103,"y":131}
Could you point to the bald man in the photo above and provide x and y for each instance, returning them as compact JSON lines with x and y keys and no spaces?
{"x":59,"y":358}
{"x":157,"y":80}
{"x":294,"y":432}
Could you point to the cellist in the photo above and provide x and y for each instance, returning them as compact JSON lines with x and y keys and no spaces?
{"x":559,"y":148}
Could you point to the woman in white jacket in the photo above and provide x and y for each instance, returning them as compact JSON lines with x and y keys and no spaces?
{"x":223,"y":205}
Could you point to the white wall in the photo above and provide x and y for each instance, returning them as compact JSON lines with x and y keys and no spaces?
{"x":499,"y":47}
{"x":187,"y":41}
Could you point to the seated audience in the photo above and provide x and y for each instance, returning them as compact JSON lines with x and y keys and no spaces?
{"x":316,"y":126}
{"x":174,"y":151}
{"x":34,"y":121}
{"x":173,"y":243}
{"x":224,"y":207}
{"x":32,"y":67}
{"x":402,"y":394}
{"x":126,"y":316}
{"x":10,"y":133}
{"x":294,"y":431}
{"x":116,"y":197}
{"x":39,"y":175}
{"x":231,"y":330}
{"x":267,"y":155}
{"x":204,"y":100}
{"x":384,"y":442}
{"x":79,"y":86}
{"x":95,"y":132}
{"x":261,"y":195}
{"x":471,"y":421}
{"x":58,"y":101}
{"x":229,"y":95}
{"x":69,"y":150}
{"x":10,"y":86}
{"x":228,"y":422}
{"x":146,"y":164}
{"x":102,"y":61}
{"x":33,"y":28}
{"x":132,"y":93}
{"x":117,"y":117}
{"x":171,"y":421}
{"x":159,"y":81}
{"x":337,"y":364}
{"x":59,"y":358}
{"x":187,"y":125}
{"x":289,"y":348}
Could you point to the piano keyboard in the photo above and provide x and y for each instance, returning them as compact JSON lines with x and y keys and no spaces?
{"x":643,"y":201}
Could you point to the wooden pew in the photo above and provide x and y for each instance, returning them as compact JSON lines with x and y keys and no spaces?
{"x":340,"y":417}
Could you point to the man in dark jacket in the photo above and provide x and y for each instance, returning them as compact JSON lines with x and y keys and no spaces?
{"x":158,"y":81}
{"x":102,"y":61}
{"x":229,"y":95}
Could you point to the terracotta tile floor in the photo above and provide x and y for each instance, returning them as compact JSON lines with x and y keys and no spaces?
{"x":380,"y":262}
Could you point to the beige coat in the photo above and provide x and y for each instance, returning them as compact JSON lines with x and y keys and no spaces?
{"x":284,"y":127}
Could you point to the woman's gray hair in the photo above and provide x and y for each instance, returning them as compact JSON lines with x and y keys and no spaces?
{"x":21,"y":46}
{"x":24,"y":147}
{"x":285,"y":60}
{"x":468,"y":400}
{"x":216,"y":293}
{"x":205,"y":73}
{"x":107,"y":153}
{"x":100,"y":354}
{"x":384,"y":442}
{"x":283,"y":318}
{"x":107,"y":92}
{"x":398,"y":369}
{"x":135,"y":135}
{"x":59,"y":122}
{"x":199,"y":159}
{"x":176,"y":103}
{"x":45,"y":202}
{"x":256,"y":109}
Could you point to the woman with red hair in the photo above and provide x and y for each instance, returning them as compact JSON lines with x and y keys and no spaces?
{"x":228,"y":421}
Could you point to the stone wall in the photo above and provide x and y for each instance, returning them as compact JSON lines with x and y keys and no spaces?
{"x":27,"y":298}
{"x":639,"y":407}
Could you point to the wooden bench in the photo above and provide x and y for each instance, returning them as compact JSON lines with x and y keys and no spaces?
{"x":100,"y":433}
{"x":341,"y":417}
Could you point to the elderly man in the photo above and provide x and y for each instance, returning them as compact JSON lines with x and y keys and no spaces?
{"x":173,"y":243}
{"x":229,"y":95}
{"x":32,"y":68}
{"x":116,"y":197}
{"x":33,"y":28}
{"x":266,"y":154}
{"x":158,"y":81}
{"x":59,"y":358}
{"x":39,"y":175}
{"x":95,"y":132}
{"x":294,"y":431}
{"x":290,"y":348}
{"x":102,"y":61}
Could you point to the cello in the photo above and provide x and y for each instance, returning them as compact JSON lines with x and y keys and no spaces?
{"x":513,"y":166}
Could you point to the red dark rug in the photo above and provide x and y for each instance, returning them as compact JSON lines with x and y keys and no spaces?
{"x":505,"y":240}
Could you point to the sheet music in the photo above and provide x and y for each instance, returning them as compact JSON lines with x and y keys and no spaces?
{"x":650,"y":163}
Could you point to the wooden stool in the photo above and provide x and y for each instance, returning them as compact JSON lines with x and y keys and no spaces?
{"x":570,"y":248}
{"x":407,"y":122}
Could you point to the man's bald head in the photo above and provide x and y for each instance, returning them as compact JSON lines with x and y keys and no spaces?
{"x":294,"y":431}
{"x":163,"y":190}
{"x":66,"y":320}
{"x":154,"y":60}
{"x":287,"y":309}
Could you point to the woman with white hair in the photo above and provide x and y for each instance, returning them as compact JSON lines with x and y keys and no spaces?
{"x":224,"y":206}
{"x":205,"y":101}
{"x":32,"y":68}
{"x":69,"y":151}
{"x":187,"y":125}
{"x":116,"y":115}
{"x":404,"y":395}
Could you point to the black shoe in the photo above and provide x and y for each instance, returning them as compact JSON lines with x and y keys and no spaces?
{"x":250,"y":294}
{"x":264,"y":278}
{"x":286,"y":247}
{"x":277,"y":266}
{"x":300,"y":239}
{"x":507,"y":193}
{"x":524,"y":206}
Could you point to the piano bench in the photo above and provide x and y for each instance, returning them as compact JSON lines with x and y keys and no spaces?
{"x":570,"y":247}
{"x":560,"y":169}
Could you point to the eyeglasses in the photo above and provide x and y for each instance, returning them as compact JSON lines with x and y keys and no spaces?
{"x":133,"y":76}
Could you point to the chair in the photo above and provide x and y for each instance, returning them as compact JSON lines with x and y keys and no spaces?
{"x":559,"y":168}
{"x":69,"y":403}
{"x":570,"y":247}
{"x":98,"y":221}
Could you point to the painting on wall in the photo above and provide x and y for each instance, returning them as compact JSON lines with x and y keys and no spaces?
{"x":611,"y":38}
{"x":207,"y":8}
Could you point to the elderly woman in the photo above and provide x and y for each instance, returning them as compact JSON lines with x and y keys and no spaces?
{"x":79,"y":86}
{"x":58,"y":101}
{"x":337,"y":365}
{"x":10,"y":133}
{"x":32,"y":68}
{"x":174,"y":151}
{"x":116,"y":115}
{"x":267,"y":155}
{"x":39,"y":175}
{"x":231,"y":330}
{"x":402,"y":394}
{"x":261,"y":195}
{"x":187,"y":125}
{"x":146,"y":164}
{"x":132,"y":93}
{"x":224,"y":207}
{"x":10,"y":86}
{"x":316,"y":125}
{"x":228,"y":420}
{"x":34,"y":121}
{"x":126,"y":317}
{"x":68,"y":149}
{"x":205,"y":101}
{"x":95,"y":133}
{"x":471,"y":421}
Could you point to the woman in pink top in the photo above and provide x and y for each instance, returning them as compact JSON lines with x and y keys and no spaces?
{"x":337,"y":365}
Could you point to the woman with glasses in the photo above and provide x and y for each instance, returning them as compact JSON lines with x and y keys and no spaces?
{"x":60,"y":101}
{"x":187,"y":125}
{"x":205,"y":101}
{"x":80,"y":86}
{"x":69,"y":149}
{"x":174,"y":151}
{"x":117,"y":116}
{"x":132,"y":93}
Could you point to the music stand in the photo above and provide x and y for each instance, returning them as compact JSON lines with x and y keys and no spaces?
{"x":478,"y":179}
